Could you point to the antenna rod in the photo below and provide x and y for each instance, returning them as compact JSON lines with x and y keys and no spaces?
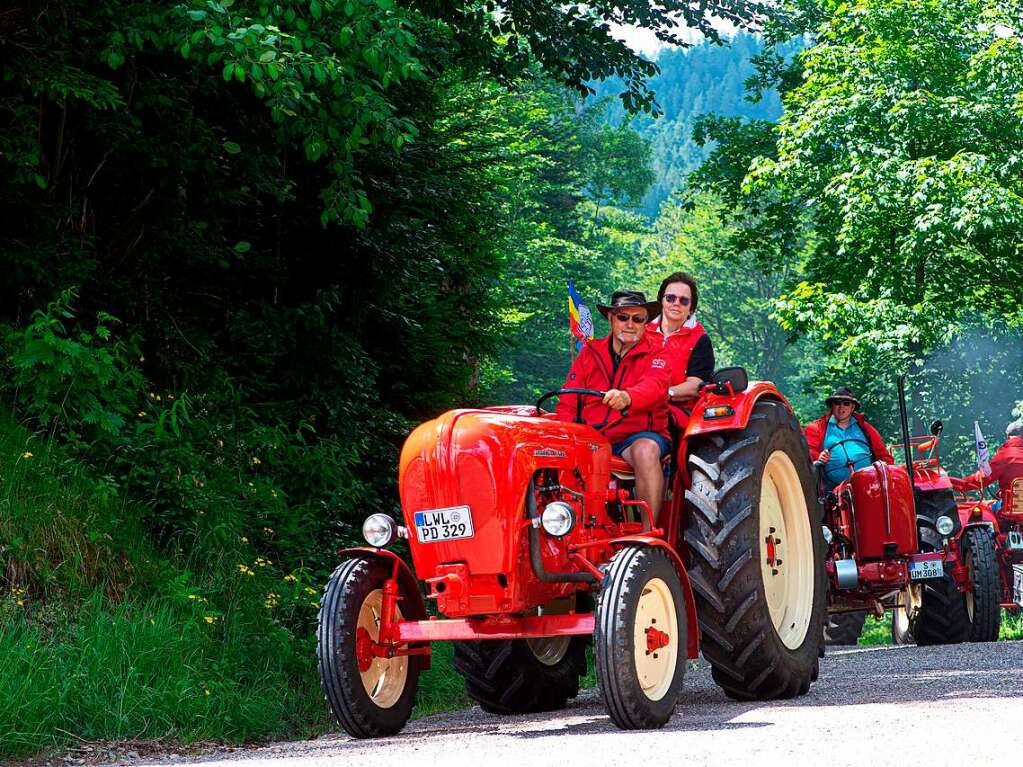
{"x":905,"y":429}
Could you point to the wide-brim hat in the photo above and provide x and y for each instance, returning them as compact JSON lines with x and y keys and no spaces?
{"x":629,"y":299}
{"x":843,"y":392}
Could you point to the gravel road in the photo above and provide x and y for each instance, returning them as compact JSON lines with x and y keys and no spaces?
{"x":925,"y":707}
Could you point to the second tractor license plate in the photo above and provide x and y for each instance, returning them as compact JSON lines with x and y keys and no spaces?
{"x":928,"y":568}
{"x":444,"y":524}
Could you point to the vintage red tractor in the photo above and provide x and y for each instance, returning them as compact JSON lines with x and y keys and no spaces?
{"x":896,"y":542}
{"x":525,"y":533}
{"x":997,"y":557}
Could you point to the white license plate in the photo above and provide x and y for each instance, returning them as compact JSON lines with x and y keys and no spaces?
{"x":1015,"y":540}
{"x":925,"y":569}
{"x":1017,"y":584}
{"x":443,"y":524}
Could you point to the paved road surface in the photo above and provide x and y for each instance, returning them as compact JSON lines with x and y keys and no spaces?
{"x":921,"y":707}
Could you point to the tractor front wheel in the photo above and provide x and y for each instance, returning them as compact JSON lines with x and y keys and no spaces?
{"x":640,"y":638}
{"x":983,"y":600}
{"x":753,"y":531}
{"x":369,"y":696}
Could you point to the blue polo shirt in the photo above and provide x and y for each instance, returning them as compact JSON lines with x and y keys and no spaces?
{"x":857,"y":453}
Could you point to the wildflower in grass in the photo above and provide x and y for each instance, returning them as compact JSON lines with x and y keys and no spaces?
{"x":256,"y":461}
{"x":27,"y":454}
{"x":210,"y":618}
{"x":142,"y":414}
{"x":273,"y":492}
{"x":220,"y":443}
{"x":245,"y":569}
{"x":244,"y":539}
{"x":315,"y":604}
{"x":272,"y":600}
{"x":268,"y":530}
{"x":206,"y":690}
{"x":290,"y":578}
{"x":260,"y":562}
{"x":310,"y":590}
{"x":20,"y":602}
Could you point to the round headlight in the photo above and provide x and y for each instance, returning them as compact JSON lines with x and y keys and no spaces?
{"x":828,"y":537}
{"x":558,"y":518}
{"x":944,"y":524}
{"x":379,"y":530}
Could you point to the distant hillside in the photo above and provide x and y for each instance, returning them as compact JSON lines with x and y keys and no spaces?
{"x":704,"y":79}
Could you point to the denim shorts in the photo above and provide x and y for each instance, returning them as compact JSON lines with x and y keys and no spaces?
{"x":662,"y":442}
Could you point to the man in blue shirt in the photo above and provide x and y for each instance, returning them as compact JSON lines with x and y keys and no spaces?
{"x":842,"y":438}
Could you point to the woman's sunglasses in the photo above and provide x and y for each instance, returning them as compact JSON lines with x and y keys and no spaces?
{"x":671,"y":298}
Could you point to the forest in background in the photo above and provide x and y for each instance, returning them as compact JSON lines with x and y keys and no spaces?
{"x":247,"y":246}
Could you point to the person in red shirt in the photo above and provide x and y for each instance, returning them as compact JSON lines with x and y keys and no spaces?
{"x":1006,"y":465}
{"x":635,"y":372}
{"x":688,"y":345}
{"x":843,"y":426}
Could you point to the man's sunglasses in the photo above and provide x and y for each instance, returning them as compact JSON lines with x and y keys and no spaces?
{"x":672,"y":298}
{"x":848,"y":402}
{"x":638,"y":319}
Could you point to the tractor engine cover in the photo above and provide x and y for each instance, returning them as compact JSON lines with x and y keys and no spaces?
{"x":883,"y":509}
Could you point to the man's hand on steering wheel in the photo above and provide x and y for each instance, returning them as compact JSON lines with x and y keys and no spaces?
{"x":617,"y":399}
{"x":824,"y":457}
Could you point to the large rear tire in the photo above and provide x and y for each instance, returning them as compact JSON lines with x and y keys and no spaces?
{"x":753,"y":532}
{"x":519,"y":676}
{"x":369,"y":700}
{"x":983,"y":606}
{"x":844,"y":628}
{"x":640,"y":638}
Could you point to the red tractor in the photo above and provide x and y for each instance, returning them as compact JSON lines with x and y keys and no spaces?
{"x":526,"y":536}
{"x":997,"y":557}
{"x":896,"y":542}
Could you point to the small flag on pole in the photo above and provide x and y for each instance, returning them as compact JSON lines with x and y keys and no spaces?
{"x":983,"y":457}
{"x":580,"y":321}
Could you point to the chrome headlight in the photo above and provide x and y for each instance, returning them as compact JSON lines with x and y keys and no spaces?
{"x":558,"y":519}
{"x":379,"y":530}
{"x":944,"y":525}
{"x":828,"y":536}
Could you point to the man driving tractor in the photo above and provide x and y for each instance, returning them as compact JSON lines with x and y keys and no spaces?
{"x":842,"y":439}
{"x":635,"y":373}
{"x":1006,"y":465}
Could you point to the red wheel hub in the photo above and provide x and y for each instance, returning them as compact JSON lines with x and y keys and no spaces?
{"x":655,"y":639}
{"x":363,"y":649}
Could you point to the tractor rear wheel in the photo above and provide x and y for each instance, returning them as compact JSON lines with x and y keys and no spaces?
{"x":844,"y":628}
{"x":640,"y":638}
{"x":753,"y":531}
{"x":519,"y":676}
{"x":982,"y":603}
{"x":370,"y":697}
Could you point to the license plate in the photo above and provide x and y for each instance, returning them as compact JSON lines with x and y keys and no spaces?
{"x":925,"y":569}
{"x":1017,"y":584}
{"x":443,"y":524}
{"x":1015,"y":540}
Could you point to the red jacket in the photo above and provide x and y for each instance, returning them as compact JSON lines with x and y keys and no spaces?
{"x":1006,"y":466}
{"x":816,"y":430}
{"x":679,"y":346}
{"x":644,"y":372}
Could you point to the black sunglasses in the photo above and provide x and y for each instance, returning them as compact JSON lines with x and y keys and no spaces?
{"x":843,"y":402}
{"x":672,"y":298}
{"x":639,"y":319}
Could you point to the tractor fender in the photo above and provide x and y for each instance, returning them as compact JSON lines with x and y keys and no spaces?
{"x":413,"y":605}
{"x":740,"y":405}
{"x":693,"y":635}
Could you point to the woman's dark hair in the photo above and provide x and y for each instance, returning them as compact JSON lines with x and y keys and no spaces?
{"x":685,"y":277}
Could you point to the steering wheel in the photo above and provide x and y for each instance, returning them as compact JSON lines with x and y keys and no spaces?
{"x":579,"y":404}
{"x":841,"y":443}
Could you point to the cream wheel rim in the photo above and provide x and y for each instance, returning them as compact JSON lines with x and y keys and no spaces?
{"x":655,"y":612}
{"x":786,"y":550}
{"x":384,"y":680}
{"x":549,"y":650}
